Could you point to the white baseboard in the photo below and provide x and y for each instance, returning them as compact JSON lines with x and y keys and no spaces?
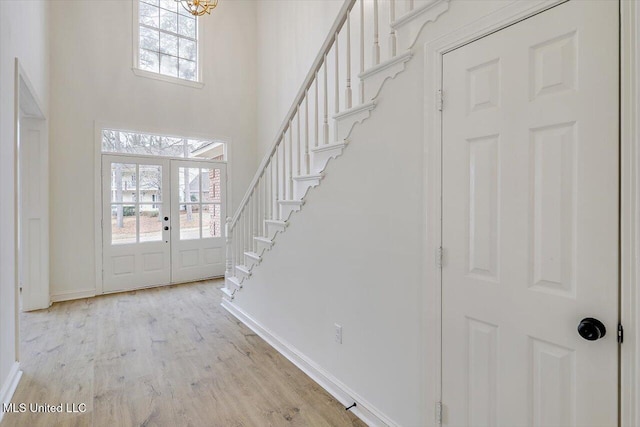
{"x":10,"y":385}
{"x":68,"y":296}
{"x":364,"y":410}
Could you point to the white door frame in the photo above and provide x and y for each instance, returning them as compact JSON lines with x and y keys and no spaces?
{"x":32,"y":225}
{"x":630,"y":189}
{"x":99,"y":126}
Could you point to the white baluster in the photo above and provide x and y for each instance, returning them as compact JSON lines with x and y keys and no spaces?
{"x":270,"y":186}
{"x":238,"y":247}
{"x":316,"y":113}
{"x":283,"y":193}
{"x":299,"y":151}
{"x":410,"y":5}
{"x":325,"y":129}
{"x":337,"y":78}
{"x":376,"y":44}
{"x":306,"y":133}
{"x":276,"y":206}
{"x":392,"y":33}
{"x":347,"y":93}
{"x":265,"y":201}
{"x":228,"y":239}
{"x":256,"y":209}
{"x":290,"y":161}
{"x":361,"y":50}
{"x":245,"y":243}
{"x":253,"y":224}
{"x":251,"y":242}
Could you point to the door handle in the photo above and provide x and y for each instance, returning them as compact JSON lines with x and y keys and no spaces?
{"x":166,"y":218}
{"x":166,"y":229}
{"x":591,"y":329}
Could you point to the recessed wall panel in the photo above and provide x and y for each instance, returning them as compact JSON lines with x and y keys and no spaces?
{"x":153,"y":261}
{"x":189,"y":258}
{"x":213,"y":256}
{"x":483,"y":86}
{"x":553,"y":384}
{"x":483,"y":207}
{"x":554,"y":216}
{"x":553,"y":66}
{"x":124,"y":264}
{"x":482,"y":365}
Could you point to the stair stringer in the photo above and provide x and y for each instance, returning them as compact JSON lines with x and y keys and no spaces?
{"x":408,"y":27}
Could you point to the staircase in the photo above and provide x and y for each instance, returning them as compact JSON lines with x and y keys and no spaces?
{"x":308,"y":137}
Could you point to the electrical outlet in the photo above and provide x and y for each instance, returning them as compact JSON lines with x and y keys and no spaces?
{"x":338,"y":333}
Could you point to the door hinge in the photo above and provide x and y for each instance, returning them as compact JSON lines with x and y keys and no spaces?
{"x":620,"y":333}
{"x":439,"y":256}
{"x":439,"y":413}
{"x":439,"y":99}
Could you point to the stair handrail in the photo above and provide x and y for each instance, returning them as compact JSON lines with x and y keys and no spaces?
{"x":308,"y":81}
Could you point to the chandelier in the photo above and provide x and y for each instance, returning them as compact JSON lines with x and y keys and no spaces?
{"x":198,"y":7}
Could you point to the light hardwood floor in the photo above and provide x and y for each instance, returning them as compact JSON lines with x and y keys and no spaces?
{"x":167,"y":356}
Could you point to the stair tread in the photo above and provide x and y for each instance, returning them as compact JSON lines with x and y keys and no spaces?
{"x":243,"y":268}
{"x":403,"y":57}
{"x":263,"y":239}
{"x":308,"y":177}
{"x":323,"y":147}
{"x":291,"y":202}
{"x":353,"y":110}
{"x":253,"y":255}
{"x":227,"y":292}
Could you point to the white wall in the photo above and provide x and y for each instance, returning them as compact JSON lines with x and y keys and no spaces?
{"x":290,"y":33}
{"x":354,"y":255}
{"x":91,"y":79}
{"x":24,"y":30}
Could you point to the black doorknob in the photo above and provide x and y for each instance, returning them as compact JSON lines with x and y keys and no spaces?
{"x":166,"y":218}
{"x":591,"y":329}
{"x":166,"y":228}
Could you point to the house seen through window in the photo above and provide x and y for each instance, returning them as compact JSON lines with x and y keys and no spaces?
{"x":168,"y":39}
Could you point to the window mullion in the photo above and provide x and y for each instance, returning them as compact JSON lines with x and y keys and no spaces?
{"x":171,"y":33}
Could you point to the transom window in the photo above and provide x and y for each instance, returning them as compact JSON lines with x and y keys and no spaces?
{"x":168,"y":39}
{"x":125,"y":142}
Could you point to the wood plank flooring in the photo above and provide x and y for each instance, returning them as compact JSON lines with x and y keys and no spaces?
{"x":166,"y":356}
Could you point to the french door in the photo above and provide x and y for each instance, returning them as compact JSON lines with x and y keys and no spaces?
{"x":530,"y":222}
{"x":198,"y":212}
{"x":162,"y":221}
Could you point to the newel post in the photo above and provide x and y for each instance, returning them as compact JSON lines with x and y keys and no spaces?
{"x":228,"y":238}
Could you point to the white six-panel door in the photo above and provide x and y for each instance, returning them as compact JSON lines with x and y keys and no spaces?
{"x":530,"y":222}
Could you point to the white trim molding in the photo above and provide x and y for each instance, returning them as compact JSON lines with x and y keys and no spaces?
{"x":72,"y":295}
{"x":169,"y":79}
{"x":363,"y":410}
{"x":10,"y":385}
{"x":629,"y":212}
{"x":98,"y":127}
